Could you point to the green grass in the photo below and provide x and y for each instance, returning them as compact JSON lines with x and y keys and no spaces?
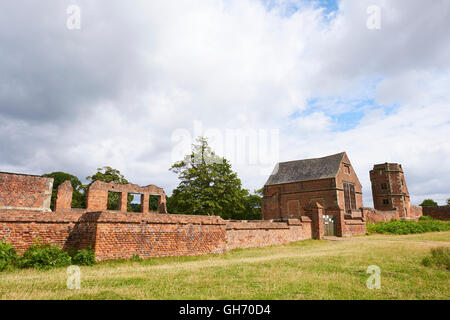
{"x":308,"y":269}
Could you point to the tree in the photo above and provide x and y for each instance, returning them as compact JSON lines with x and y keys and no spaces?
{"x":448,"y":201}
{"x":108,"y":174}
{"x":207,"y":186}
{"x":253,"y":204}
{"x":78,"y":197}
{"x":428,"y":203}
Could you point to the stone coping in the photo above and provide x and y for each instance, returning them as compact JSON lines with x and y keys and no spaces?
{"x":74,"y":216}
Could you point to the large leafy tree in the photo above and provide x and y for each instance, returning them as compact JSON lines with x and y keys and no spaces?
{"x":429,"y":203}
{"x":208,"y":186}
{"x":108,"y":174}
{"x":448,"y":201}
{"x":78,"y":198}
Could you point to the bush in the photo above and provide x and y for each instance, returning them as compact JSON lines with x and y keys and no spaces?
{"x":44,"y":256}
{"x":408,"y":227}
{"x":8,"y":256}
{"x":425,"y":218}
{"x":440,"y":257}
{"x":84,"y":257}
{"x":136,"y":258}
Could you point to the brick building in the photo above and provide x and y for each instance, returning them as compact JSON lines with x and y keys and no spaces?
{"x":390,"y":193}
{"x":329,"y":182}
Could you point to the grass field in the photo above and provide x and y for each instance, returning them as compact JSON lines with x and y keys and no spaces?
{"x":308,"y":269}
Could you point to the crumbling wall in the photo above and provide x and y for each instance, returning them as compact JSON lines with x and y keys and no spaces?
{"x":25,"y":192}
{"x":375,"y":216}
{"x":97,"y":196}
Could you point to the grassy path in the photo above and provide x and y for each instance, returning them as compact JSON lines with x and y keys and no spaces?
{"x":303,"y":270}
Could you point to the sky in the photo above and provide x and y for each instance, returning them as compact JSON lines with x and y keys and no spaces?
{"x":134,"y":82}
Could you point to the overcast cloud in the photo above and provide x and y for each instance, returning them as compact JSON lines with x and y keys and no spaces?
{"x":115,"y":91}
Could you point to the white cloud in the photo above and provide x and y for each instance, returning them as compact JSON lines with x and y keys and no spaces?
{"x":113,"y":92}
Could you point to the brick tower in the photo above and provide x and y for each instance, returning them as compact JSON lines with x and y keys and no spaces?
{"x":389,"y":189}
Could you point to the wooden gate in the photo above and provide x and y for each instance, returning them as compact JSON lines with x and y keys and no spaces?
{"x":329,"y":223}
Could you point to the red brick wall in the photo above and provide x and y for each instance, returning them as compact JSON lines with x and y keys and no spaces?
{"x":375,"y":216}
{"x":344,"y":176}
{"x":354,"y":228}
{"x":261,"y":233}
{"x":151,"y":235}
{"x":278,"y":199}
{"x":69,"y":230}
{"x":18,"y":191}
{"x":64,"y":196}
{"x":113,"y":234}
{"x":440,"y":213}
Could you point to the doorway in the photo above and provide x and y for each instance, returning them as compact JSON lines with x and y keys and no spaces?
{"x":329,"y":223}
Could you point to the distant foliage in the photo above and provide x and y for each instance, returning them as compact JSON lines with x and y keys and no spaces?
{"x":84,"y":257}
{"x":440,"y":257}
{"x":44,"y":256}
{"x":429,"y":203}
{"x":8,"y":256}
{"x":78,"y":197}
{"x":408,"y":227}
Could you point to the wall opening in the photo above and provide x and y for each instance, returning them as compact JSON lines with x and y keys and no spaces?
{"x":113,"y":200}
{"x":134,"y":202}
{"x":153,"y":202}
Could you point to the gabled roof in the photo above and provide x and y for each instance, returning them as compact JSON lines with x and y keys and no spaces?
{"x":307,"y":169}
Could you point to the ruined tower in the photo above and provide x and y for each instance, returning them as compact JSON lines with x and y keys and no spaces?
{"x":389,"y":189}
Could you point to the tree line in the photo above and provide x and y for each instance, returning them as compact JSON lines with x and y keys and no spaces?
{"x":208,"y":186}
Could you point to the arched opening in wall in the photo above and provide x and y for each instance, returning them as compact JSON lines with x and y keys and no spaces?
{"x":113,"y":201}
{"x":153,"y":202}
{"x":134,"y":202}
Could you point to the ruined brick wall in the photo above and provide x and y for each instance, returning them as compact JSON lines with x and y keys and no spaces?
{"x":440,"y":213}
{"x":97,"y":196}
{"x":115,"y":235}
{"x":416,"y":212}
{"x":151,"y":235}
{"x":375,"y":216}
{"x":68,"y":230}
{"x":25,"y":192}
{"x":247,"y":234}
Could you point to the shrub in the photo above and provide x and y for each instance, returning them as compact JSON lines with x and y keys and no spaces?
{"x":425,"y":218}
{"x":408,"y":227}
{"x":8,"y":255}
{"x":44,"y":256}
{"x":84,"y":257}
{"x":136,"y":258}
{"x":440,"y":257}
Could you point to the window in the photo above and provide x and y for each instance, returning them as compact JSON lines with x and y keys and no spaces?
{"x":385,"y":201}
{"x":349,"y":196}
{"x":347,"y":169}
{"x":384,"y":186}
